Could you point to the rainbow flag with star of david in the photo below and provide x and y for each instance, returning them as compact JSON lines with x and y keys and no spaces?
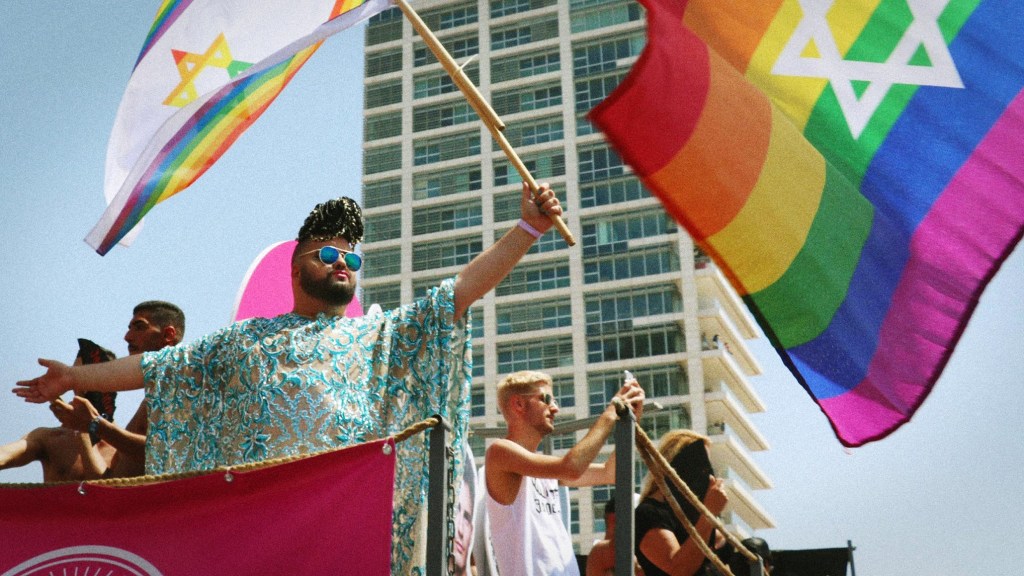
{"x":855,"y":167}
{"x":207,"y":70}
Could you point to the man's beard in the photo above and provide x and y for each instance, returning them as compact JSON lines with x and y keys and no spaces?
{"x":326,"y":289}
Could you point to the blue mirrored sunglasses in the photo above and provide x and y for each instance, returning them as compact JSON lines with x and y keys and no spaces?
{"x":329,"y":255}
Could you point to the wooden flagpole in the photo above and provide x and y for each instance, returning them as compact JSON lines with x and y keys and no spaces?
{"x":481,"y":106}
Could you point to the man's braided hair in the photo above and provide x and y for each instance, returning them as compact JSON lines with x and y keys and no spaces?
{"x":340,"y":217}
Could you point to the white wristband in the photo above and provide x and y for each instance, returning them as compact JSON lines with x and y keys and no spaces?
{"x":529,"y":229}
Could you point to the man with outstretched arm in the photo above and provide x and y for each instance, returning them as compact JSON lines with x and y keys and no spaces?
{"x":312,"y":379}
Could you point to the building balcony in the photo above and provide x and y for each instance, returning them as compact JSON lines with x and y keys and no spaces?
{"x":720,"y":369}
{"x":726,"y":415}
{"x":711,"y":283}
{"x":728,"y":454}
{"x":742,"y":504}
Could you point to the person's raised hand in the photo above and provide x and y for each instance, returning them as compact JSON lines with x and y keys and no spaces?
{"x":537,"y":208}
{"x":716,"y":499}
{"x":77,"y":415}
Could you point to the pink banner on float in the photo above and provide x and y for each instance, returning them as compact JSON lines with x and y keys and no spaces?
{"x":326,"y":514}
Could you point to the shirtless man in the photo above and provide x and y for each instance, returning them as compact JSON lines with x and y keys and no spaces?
{"x":65,"y":454}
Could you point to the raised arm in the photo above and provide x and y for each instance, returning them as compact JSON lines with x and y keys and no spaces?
{"x":120,"y":374}
{"x":604,"y":473}
{"x":662,"y":548}
{"x":491,"y":266}
{"x":507,"y":462}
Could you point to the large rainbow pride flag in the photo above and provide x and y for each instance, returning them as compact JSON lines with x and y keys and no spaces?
{"x":207,"y":70}
{"x":855,"y":167}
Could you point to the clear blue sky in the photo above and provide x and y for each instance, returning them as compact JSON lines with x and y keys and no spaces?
{"x":940,"y":496}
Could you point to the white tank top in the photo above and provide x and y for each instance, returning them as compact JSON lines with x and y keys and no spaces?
{"x":528,"y":536}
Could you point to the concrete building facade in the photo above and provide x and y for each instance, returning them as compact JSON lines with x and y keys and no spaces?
{"x":634,"y":294}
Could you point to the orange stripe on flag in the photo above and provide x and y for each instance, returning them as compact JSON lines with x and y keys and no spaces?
{"x":712,"y":190}
{"x":734,"y":34}
{"x":762,"y":241}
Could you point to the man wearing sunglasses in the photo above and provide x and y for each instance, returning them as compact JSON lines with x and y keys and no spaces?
{"x":313,"y":379}
{"x":523,"y":504}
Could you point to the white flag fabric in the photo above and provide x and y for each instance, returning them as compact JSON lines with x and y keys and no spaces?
{"x":206,"y":72}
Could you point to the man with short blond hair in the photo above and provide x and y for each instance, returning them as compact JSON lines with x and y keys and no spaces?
{"x":523,"y":504}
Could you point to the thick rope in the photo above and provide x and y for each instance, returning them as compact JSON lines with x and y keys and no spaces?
{"x":660,"y":469}
{"x":152,"y":478}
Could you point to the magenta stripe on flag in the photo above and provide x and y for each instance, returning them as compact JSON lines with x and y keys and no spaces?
{"x":958,"y":247}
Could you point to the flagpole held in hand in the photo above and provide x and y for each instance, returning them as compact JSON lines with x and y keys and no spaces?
{"x":481,"y":106}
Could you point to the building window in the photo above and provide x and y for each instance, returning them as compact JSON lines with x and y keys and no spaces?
{"x":563,"y":441}
{"x":384,"y":27}
{"x":600,"y":495}
{"x":440,"y":82}
{"x":591,"y":91}
{"x":605,"y":16}
{"x":442,"y":115}
{"x":608,"y":235}
{"x":520,"y":33}
{"x":478,"y":444}
{"x":450,"y":181}
{"x":519,"y":317}
{"x":477,"y":314}
{"x":384,"y":62}
{"x":450,"y":16}
{"x":601,"y":388}
{"x":657,"y":424}
{"x":477,"y":402}
{"x":525,"y":65}
{"x":608,"y":313}
{"x":382,"y":193}
{"x":542,"y":165}
{"x":421,"y":286}
{"x":563,"y":388}
{"x":382,"y":262}
{"x":433,"y":255}
{"x":653,"y":341}
{"x":388,"y":296}
{"x":537,"y":355}
{"x":634,"y":264}
{"x":383,"y":93}
{"x":447,"y":147}
{"x":548,"y":243}
{"x":453,"y":217}
{"x":382,"y":159}
{"x":462,"y":46}
{"x":534,"y":278}
{"x":657,"y":381}
{"x":528,"y":98}
{"x":612,"y":192}
{"x":501,"y":8}
{"x":606,"y":55}
{"x":599,"y":164}
{"x":478,"y":364}
{"x":539,"y":131}
{"x":383,"y":126}
{"x":380,"y":227}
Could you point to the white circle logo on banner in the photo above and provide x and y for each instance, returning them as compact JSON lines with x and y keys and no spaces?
{"x":87,"y":559}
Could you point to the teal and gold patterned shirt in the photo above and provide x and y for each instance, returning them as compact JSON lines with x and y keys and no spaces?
{"x":266,"y":388}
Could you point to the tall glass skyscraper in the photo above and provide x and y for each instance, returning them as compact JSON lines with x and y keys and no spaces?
{"x":634,"y":294}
